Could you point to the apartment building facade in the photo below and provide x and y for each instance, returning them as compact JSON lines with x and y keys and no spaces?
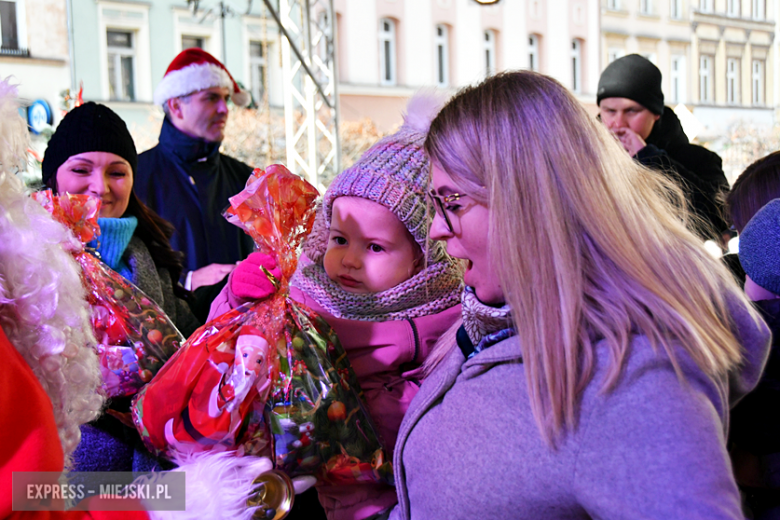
{"x":718,"y":57}
{"x":387,"y":49}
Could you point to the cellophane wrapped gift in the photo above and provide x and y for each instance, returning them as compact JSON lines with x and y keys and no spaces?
{"x":134,"y":335}
{"x":268,"y":378}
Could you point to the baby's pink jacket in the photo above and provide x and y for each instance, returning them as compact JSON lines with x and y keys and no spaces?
{"x":385,"y":356}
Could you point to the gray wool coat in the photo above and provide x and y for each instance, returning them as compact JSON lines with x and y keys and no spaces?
{"x":158,"y":286}
{"x":653,"y":448}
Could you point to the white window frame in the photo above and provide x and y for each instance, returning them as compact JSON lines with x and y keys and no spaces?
{"x":646,"y":7}
{"x":489,"y":51}
{"x":254,"y":30}
{"x":256,"y":83}
{"x":184,"y":24}
{"x":705,"y":6}
{"x":613,"y":5}
{"x":576,"y":66}
{"x":442,"y":54}
{"x":757,"y":82}
{"x":706,"y":88}
{"x":758,"y":9}
{"x":21,"y":25}
{"x":614,"y":53}
{"x":122,"y":16}
{"x":675,"y":9}
{"x":677,"y":77}
{"x":533,"y":53}
{"x":388,"y":61}
{"x":732,"y":81}
{"x":733,"y":8}
{"x":118,"y":54}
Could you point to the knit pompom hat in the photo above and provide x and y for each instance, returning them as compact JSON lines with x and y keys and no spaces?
{"x":633,"y":77}
{"x":88,"y":128}
{"x":759,"y":247}
{"x":394,"y":173}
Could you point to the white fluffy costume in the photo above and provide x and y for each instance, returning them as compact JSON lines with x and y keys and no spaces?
{"x":42,"y":307}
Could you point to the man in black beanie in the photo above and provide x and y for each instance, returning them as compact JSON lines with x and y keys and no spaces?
{"x":631,"y":105}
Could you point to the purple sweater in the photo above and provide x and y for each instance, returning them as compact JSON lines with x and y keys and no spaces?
{"x":653,"y":448}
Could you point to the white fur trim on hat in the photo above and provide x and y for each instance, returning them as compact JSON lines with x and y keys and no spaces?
{"x":192,"y":78}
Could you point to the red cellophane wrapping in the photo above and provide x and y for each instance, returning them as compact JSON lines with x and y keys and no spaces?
{"x":135,"y":337}
{"x":296,"y":399}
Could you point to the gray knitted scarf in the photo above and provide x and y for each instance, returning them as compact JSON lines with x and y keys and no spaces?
{"x":434,"y":289}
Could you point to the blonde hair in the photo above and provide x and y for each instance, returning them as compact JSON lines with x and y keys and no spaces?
{"x":584,"y":241}
{"x":43,"y":310}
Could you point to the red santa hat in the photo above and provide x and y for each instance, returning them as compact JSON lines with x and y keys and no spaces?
{"x":193,"y":70}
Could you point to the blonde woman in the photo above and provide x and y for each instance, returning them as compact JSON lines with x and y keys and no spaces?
{"x":601,"y":346}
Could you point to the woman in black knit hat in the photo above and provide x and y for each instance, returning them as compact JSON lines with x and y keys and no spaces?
{"x":92,"y":153}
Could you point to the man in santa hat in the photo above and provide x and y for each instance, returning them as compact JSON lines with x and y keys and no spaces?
{"x":185,"y":178}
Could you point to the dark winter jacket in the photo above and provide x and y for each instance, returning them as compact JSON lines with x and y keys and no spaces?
{"x":158,"y":285}
{"x":698,"y":170}
{"x":188,"y":182}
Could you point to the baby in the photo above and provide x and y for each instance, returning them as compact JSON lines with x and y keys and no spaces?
{"x":371,"y":274}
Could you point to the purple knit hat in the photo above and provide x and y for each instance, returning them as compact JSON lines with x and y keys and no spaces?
{"x":394,"y":173}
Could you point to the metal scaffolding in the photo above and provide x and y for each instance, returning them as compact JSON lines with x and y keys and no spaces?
{"x":311,"y":106}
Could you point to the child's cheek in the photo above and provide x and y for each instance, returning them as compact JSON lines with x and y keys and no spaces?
{"x":330,"y":262}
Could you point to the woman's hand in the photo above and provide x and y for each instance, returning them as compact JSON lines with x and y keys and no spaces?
{"x":210,"y":274}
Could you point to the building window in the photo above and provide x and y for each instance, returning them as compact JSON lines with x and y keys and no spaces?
{"x":257,"y":70}
{"x":188,"y":42}
{"x":732,"y":8}
{"x":705,"y":79}
{"x":13,"y":28}
{"x":533,"y":53}
{"x":613,"y":5}
{"x":646,"y":6}
{"x":576,"y":66}
{"x":675,"y":9}
{"x":757,"y":81}
{"x":325,"y":45}
{"x":614,"y":53}
{"x":758,"y":9}
{"x":705,"y":6}
{"x":677,"y":79}
{"x":8,"y":25}
{"x":387,"y":57}
{"x":732,"y":81}
{"x":442,"y":56}
{"x":121,"y":65}
{"x":490,"y":53}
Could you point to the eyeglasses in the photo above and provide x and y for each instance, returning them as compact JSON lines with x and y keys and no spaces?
{"x":439,"y":202}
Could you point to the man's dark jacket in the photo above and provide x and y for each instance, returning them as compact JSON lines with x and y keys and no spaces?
{"x":188,"y":182}
{"x":699,"y":170}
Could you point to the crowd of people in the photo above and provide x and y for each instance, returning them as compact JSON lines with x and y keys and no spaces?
{"x":522,"y":290}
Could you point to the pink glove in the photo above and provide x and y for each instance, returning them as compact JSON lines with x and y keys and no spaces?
{"x":249,"y":282}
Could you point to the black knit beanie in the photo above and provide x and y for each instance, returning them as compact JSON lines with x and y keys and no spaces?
{"x":88,"y":128}
{"x":635,"y":78}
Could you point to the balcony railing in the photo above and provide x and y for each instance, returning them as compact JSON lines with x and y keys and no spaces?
{"x":15,"y":51}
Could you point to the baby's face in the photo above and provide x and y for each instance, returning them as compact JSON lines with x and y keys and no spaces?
{"x":369,"y":249}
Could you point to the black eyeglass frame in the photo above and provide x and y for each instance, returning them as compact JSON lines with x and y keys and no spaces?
{"x":439,"y":203}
